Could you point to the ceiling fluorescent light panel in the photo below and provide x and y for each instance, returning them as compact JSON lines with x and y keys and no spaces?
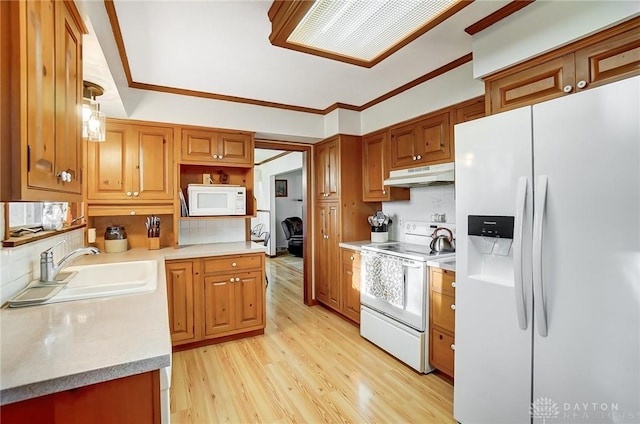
{"x":363,"y":29}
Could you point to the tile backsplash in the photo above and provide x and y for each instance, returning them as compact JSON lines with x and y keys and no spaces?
{"x":21,"y":265}
{"x":203,"y":231}
{"x":424,"y":202}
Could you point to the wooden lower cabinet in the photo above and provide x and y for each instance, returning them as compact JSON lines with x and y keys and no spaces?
{"x":233,"y":303}
{"x":442,"y":319}
{"x":215,"y":297}
{"x":133,"y":399}
{"x":180,"y":276}
{"x":350,"y":284}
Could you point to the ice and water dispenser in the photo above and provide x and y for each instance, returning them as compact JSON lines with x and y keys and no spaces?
{"x":490,"y":253}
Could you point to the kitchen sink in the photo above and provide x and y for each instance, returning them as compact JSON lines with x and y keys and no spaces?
{"x":113,"y":279}
{"x":92,"y":281}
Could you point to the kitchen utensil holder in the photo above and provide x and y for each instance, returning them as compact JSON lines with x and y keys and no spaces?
{"x":154,"y":243}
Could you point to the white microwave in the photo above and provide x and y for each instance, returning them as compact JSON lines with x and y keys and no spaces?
{"x":216,"y":199}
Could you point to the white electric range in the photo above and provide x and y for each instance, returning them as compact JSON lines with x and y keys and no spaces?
{"x":394,"y":293}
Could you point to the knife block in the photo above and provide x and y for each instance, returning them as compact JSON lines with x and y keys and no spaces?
{"x":154,"y":243}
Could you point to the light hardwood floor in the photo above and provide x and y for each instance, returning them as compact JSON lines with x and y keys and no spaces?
{"x":310,"y":366}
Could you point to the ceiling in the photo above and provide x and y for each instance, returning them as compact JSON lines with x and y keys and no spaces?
{"x":222,"y":47}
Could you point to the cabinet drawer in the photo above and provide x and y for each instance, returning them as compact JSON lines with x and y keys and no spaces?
{"x":441,"y":351}
{"x":351,"y":257}
{"x":442,"y":281}
{"x":442,"y":311}
{"x":232,"y":263}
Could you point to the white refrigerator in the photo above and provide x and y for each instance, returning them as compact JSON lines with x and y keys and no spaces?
{"x":548,"y":321}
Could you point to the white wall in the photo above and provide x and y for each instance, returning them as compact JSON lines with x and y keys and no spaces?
{"x":445,"y":90}
{"x":288,"y":206}
{"x":424,"y":201}
{"x":543,"y":26}
{"x":21,"y":265}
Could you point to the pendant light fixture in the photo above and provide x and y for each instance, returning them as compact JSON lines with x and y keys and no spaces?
{"x":94,"y":122}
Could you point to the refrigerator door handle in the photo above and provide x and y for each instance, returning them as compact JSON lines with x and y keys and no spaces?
{"x":521,"y":307}
{"x":538,"y":223}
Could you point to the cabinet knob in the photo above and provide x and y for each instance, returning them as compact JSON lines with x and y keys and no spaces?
{"x":215,"y":156}
{"x":351,"y":257}
{"x":231,"y":280}
{"x":136,"y":194}
{"x":128,"y":193}
{"x":419,"y":157}
{"x":64,"y":176}
{"x":453,"y":307}
{"x":234,"y":264}
{"x":567,"y":89}
{"x":220,"y":157}
{"x":132,"y":213}
{"x":453,"y":346}
{"x":237,"y":279}
{"x":384,"y":191}
{"x":453,"y":284}
{"x":413,"y":158}
{"x":581,"y":84}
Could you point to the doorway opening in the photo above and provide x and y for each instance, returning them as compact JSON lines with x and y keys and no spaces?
{"x":286,"y":182}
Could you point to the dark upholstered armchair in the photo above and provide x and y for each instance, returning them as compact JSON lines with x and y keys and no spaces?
{"x":292,"y":227}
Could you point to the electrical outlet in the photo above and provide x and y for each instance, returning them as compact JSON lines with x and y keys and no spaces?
{"x":206,"y":179}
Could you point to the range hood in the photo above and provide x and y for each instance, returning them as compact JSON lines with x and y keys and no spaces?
{"x":422,"y":176}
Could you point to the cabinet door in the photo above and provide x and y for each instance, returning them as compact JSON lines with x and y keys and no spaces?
{"x":219,"y":313}
{"x":235,"y":148}
{"x":441,"y":351}
{"x":40,"y":90}
{"x":321,"y":254}
{"x":327,"y":170}
{"x":333,"y":256}
{"x":402,"y":146}
{"x":471,"y":111}
{"x":350,"y":281}
{"x":69,"y":93}
{"x":181,"y":301}
{"x":108,"y":162}
{"x":434,"y":135}
{"x":533,"y":85}
{"x":374,"y":167}
{"x":249,"y":292}
{"x":199,"y":145}
{"x":443,"y":314}
{"x":152,"y":153}
{"x":607,"y":61}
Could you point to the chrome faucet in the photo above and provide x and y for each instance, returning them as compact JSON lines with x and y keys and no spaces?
{"x":49,"y":271}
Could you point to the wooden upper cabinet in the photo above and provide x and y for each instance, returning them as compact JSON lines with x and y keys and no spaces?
{"x":153,"y":170}
{"x":206,"y":146}
{"x":533,"y":85}
{"x":327,"y":170}
{"x":602,"y":58}
{"x":375,"y":169}
{"x":44,"y":139}
{"x":403,"y":146}
{"x":434,"y":134}
{"x":422,"y":142}
{"x":469,"y":111}
{"x":135,"y":163}
{"x":610,"y":60}
{"x":69,"y":92}
{"x":236,"y":148}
